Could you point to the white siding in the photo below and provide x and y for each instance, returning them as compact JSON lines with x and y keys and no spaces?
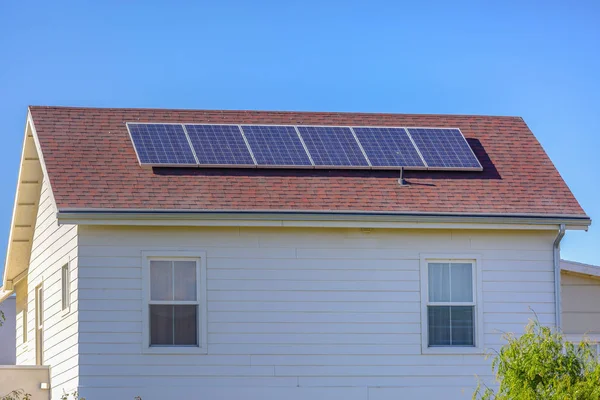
{"x":300,"y":313}
{"x":53,"y":246}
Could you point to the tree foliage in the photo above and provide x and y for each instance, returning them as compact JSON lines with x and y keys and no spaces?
{"x":16,"y":395}
{"x":541,"y":365}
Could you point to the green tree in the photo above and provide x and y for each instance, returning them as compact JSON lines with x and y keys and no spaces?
{"x":541,"y":365}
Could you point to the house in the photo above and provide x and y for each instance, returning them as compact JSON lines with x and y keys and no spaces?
{"x":146,"y":261}
{"x":580,"y":285}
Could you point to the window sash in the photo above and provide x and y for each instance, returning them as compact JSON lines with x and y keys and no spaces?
{"x":170,"y":332}
{"x":175,"y":288}
{"x":448,"y":291}
{"x":450,"y":327}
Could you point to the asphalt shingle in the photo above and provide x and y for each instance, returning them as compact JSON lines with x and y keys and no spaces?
{"x":91,"y":164}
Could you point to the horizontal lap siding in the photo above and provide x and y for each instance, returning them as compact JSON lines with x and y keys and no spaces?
{"x":300,"y":313}
{"x":52,"y":247}
{"x":580,"y":299}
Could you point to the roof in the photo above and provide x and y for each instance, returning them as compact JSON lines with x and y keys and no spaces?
{"x":91,"y":165}
{"x":578,"y":268}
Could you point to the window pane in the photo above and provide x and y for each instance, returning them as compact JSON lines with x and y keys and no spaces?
{"x":65,"y":286}
{"x":185,"y":280}
{"x":462,"y":325}
{"x":186,"y":325}
{"x":161,"y":325}
{"x":461,"y":278}
{"x":439,"y":325}
{"x":439,"y":282}
{"x":161,"y":280}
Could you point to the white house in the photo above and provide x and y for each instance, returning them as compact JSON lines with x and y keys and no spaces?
{"x":243,"y":254}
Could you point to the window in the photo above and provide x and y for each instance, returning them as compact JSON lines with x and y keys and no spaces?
{"x":24,"y":313}
{"x":449,"y":305}
{"x":39,"y":325}
{"x":66,"y":287}
{"x":176,"y":300}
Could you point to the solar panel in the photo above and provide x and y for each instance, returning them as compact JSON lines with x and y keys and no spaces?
{"x":219,"y":145}
{"x":388,"y":147}
{"x":158,"y":144}
{"x":276,"y":145}
{"x":331,"y":145}
{"x":444,"y":148}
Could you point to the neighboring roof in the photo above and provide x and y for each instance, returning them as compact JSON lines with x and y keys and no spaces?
{"x":92,"y":165}
{"x":580,"y":268}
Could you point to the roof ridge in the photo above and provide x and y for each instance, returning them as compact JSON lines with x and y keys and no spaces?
{"x":358,"y":113}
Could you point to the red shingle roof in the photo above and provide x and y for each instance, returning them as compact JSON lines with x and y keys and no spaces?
{"x":91,"y":164}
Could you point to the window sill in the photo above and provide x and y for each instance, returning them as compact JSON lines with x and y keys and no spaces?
{"x":453,"y":350}
{"x":175,"y":350}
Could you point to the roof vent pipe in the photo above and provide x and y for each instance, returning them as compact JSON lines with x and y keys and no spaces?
{"x":557,"y":288}
{"x":401,"y":181}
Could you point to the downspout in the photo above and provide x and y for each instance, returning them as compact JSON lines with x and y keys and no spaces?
{"x":557,"y":296}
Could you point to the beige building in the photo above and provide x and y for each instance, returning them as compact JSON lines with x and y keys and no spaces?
{"x":580,"y":300}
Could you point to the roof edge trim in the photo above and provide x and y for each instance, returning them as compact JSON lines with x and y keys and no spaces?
{"x":306,"y":218}
{"x":580,"y":268}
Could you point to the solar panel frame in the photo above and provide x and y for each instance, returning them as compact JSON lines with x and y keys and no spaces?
{"x":207,"y":165}
{"x":333,"y":166}
{"x":391,"y":167}
{"x":159,"y":164}
{"x":451,"y":168}
{"x":277,"y":166}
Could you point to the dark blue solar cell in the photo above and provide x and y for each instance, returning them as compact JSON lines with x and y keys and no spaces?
{"x":444,"y":148}
{"x":332,"y":145}
{"x":388,"y":147}
{"x":219,"y":145}
{"x":157,"y":144}
{"x":276,"y":145}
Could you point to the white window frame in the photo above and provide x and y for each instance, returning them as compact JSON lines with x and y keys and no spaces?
{"x":475,"y":260}
{"x":173,"y":255}
{"x":65,"y":288}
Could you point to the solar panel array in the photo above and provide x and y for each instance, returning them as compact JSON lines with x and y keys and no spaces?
{"x":285,"y":146}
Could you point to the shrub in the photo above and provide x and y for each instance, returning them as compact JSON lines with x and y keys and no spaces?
{"x":16,"y":395}
{"x":541,"y":365}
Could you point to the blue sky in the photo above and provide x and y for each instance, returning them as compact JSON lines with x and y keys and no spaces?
{"x":539,"y":60}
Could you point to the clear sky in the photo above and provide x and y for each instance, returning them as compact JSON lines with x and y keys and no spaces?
{"x":536,"y":59}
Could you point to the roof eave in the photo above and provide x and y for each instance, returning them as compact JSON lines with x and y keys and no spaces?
{"x":316,"y":219}
{"x":582,"y":269}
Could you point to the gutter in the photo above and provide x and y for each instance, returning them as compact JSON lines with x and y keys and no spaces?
{"x":304,"y":218}
{"x":557,"y":285}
